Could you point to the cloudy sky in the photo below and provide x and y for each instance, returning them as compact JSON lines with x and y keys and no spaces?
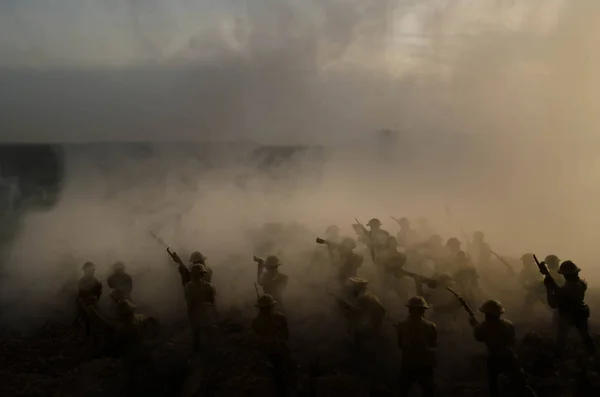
{"x":285,"y":70}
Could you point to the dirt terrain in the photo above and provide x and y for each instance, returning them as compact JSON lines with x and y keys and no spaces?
{"x":57,"y":361}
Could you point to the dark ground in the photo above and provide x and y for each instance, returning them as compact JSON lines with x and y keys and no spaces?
{"x":57,"y":361}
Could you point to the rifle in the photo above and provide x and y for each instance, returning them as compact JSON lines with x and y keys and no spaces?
{"x":183,"y":271}
{"x":430,"y":282}
{"x":463,"y":303}
{"x":257,"y":293}
{"x":366,"y":233}
{"x":544,"y":270}
{"x":344,"y":303}
{"x":501,"y":259}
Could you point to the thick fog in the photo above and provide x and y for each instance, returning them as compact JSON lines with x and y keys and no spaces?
{"x":495,"y":104}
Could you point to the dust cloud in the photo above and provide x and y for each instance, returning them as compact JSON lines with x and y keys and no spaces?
{"x":494,"y":104}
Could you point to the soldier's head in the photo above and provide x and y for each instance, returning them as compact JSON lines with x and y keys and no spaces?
{"x":265,"y":302}
{"x":358,"y":285}
{"x":569,"y":269}
{"x":553,"y":262}
{"x":417,"y":306}
{"x":453,"y":244}
{"x":348,"y":243}
{"x":332,"y":232}
{"x":89,"y":269}
{"x":528,"y":260}
{"x":272,"y":263}
{"x":478,"y":236}
{"x":125,"y":309}
{"x":197,"y":258}
{"x":118,"y":267}
{"x":374,"y":224}
{"x":197,"y":271}
{"x":492,"y":309}
{"x":404,"y":223}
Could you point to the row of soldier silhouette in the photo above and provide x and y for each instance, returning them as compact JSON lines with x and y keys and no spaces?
{"x":454,"y":283}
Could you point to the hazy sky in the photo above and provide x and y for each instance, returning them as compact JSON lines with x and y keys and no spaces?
{"x":292,"y":70}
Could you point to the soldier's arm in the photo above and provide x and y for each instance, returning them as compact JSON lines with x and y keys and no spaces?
{"x":285,"y":330}
{"x":432,"y":337}
{"x":512,"y":337}
{"x":478,"y":333}
{"x":213,"y":295}
{"x":399,"y":332}
{"x":129,"y":283}
{"x":110,"y":281}
{"x":98,"y":289}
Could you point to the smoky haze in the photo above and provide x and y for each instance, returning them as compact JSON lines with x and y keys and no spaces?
{"x":495,"y":104}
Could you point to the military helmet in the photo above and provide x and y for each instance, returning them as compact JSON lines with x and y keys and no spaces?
{"x":333,"y":229}
{"x":272,"y":261}
{"x":445,"y":279}
{"x":125,"y":306}
{"x":492,"y":307}
{"x":349,"y":242}
{"x":374,"y":222}
{"x":89,"y":265}
{"x":198,"y":268}
{"x":404,"y":222}
{"x":568,"y":268}
{"x":197,"y":257}
{"x":528,"y":256}
{"x":552,"y":261}
{"x":118,"y":265}
{"x":265,"y":301}
{"x":478,"y":235}
{"x":453,"y":241}
{"x":358,"y":281}
{"x":417,"y":302}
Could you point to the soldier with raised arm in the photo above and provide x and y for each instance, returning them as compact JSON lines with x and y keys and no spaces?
{"x":568,"y":300}
{"x":200,"y":300}
{"x":270,"y":279}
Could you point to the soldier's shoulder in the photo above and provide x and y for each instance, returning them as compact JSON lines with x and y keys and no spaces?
{"x":507,"y":323}
{"x":280,"y":316}
{"x":429,"y":324}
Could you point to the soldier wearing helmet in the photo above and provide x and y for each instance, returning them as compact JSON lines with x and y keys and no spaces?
{"x":270,"y":279}
{"x":197,"y":258}
{"x":499,"y":336}
{"x":407,"y":236}
{"x":376,"y":238}
{"x":417,"y":339}
{"x":532,"y":282}
{"x":445,"y":307}
{"x":200,"y":298}
{"x":392,"y":262}
{"x":89,"y":293}
{"x":365,"y":312}
{"x":272,"y":329}
{"x":569,"y":301}
{"x":332,"y":233}
{"x":480,"y":250}
{"x":120,"y":282}
{"x":132,"y":334}
{"x":459,"y":264}
{"x":348,"y":261}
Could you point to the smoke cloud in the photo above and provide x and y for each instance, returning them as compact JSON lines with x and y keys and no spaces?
{"x":494,"y":104}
